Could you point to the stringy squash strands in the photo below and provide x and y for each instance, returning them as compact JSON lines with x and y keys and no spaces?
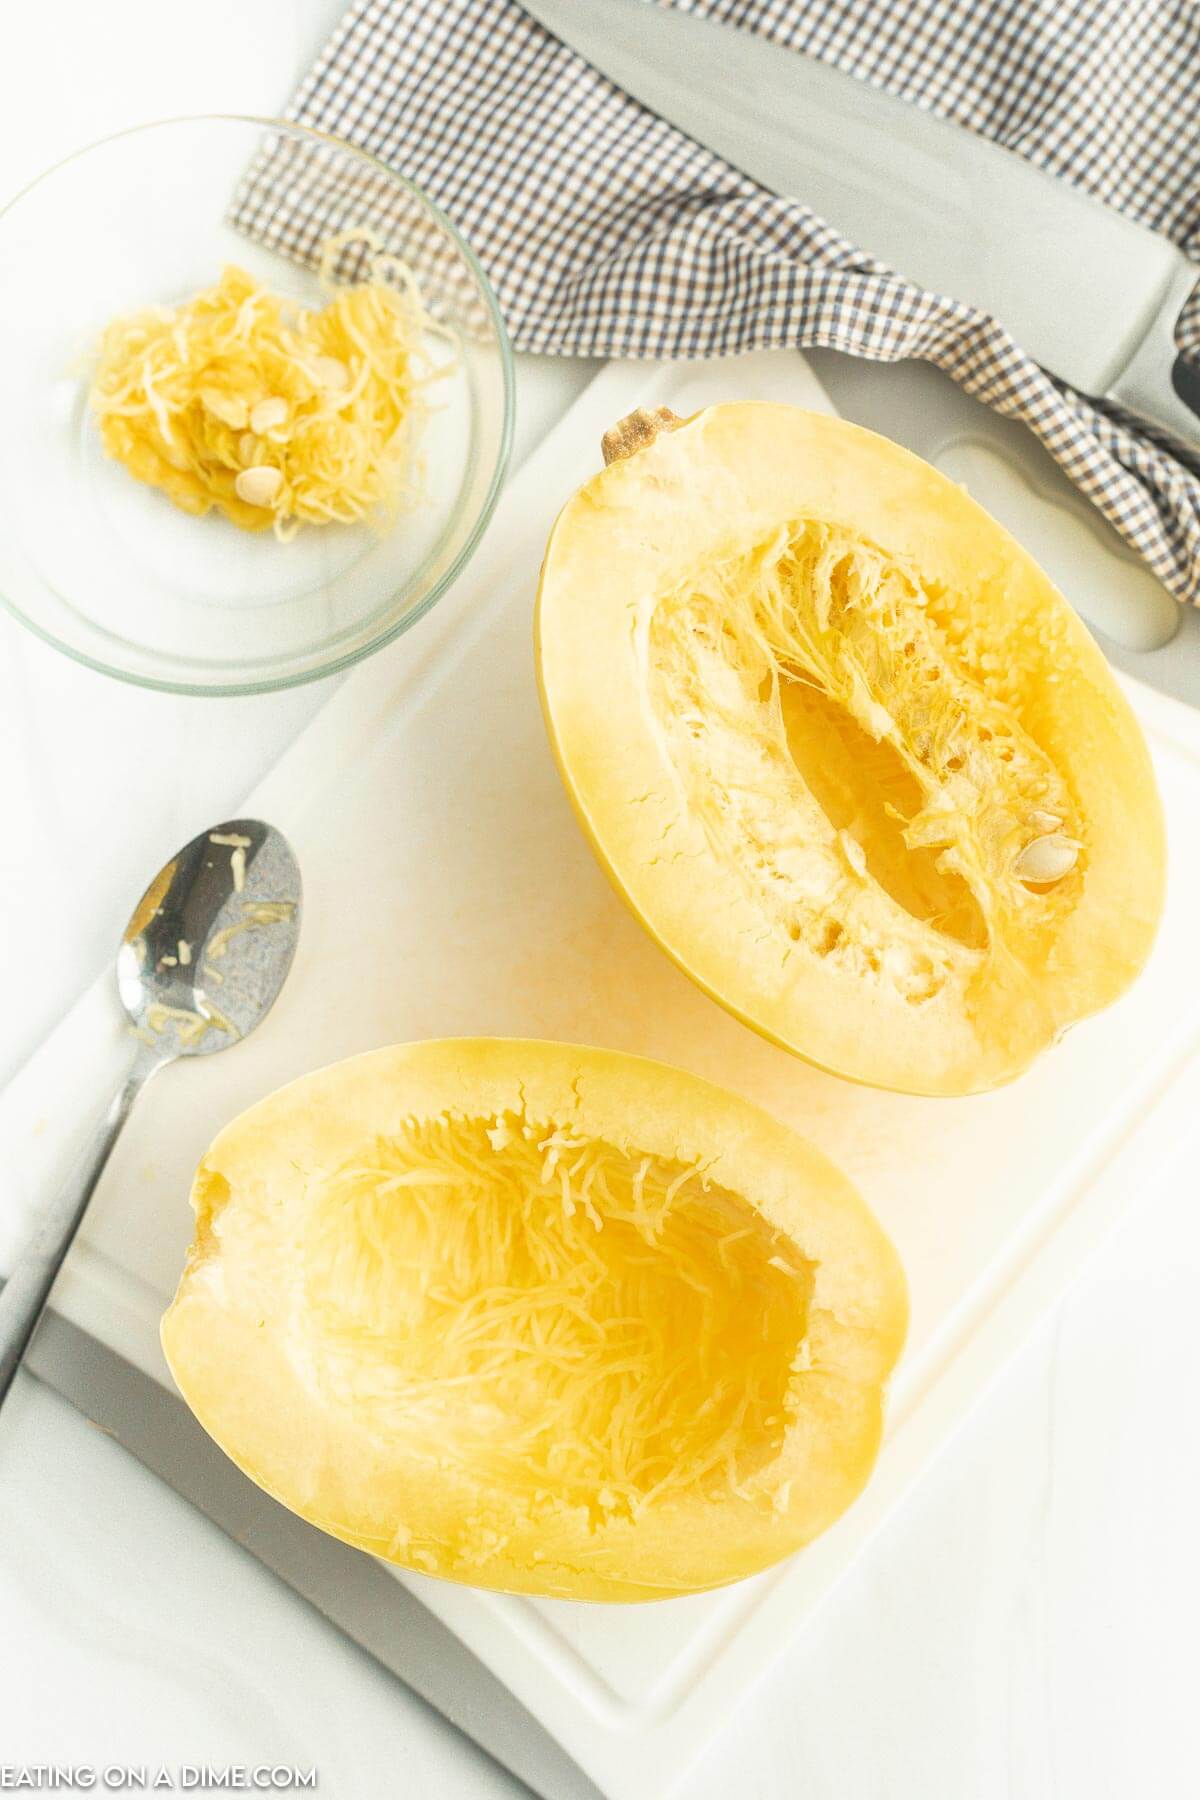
{"x":848,"y":754}
{"x":272,"y":413}
{"x":540,"y":1318}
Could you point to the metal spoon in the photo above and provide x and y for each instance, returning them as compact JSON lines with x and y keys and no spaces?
{"x":202,"y":959}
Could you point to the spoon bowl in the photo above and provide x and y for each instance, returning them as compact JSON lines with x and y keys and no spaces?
{"x":211,"y":940}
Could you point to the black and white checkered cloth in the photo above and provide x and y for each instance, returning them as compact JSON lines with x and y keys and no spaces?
{"x":607,"y":232}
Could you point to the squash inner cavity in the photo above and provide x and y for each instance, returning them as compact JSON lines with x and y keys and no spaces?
{"x":874,"y":794}
{"x":864,"y":787}
{"x":557,"y":1317}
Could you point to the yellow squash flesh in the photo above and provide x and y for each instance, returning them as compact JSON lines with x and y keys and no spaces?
{"x":539,"y":1318}
{"x":845,"y":750}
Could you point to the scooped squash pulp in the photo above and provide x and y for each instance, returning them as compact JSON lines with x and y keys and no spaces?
{"x":535,"y":1317}
{"x":273,"y":413}
{"x":844,"y":748}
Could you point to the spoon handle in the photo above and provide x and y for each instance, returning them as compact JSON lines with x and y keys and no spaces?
{"x":28,"y":1287}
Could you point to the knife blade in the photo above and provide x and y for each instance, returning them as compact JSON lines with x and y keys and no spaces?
{"x":348,"y":1588}
{"x":1091,"y":295}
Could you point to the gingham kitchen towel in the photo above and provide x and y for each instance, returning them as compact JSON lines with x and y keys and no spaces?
{"x":607,"y":232}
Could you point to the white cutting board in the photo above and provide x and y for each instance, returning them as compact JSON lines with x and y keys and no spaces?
{"x":448,"y":890}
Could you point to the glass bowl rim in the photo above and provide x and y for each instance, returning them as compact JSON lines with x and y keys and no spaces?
{"x":337,"y":664}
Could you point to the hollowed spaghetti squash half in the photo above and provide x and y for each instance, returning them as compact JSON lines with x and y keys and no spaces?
{"x":845,"y":750}
{"x":539,"y":1318}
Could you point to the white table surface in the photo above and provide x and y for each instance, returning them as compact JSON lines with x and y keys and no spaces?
{"x":1023,"y":1631}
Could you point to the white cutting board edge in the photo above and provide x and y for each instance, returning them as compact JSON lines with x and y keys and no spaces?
{"x":639,"y":1751}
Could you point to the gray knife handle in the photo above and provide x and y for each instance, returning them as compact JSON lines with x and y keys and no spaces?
{"x":1155,"y":382}
{"x":28,"y":1287}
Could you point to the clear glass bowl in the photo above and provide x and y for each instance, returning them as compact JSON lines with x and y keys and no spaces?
{"x":108,"y":569}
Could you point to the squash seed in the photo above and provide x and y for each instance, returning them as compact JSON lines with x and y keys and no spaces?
{"x":258,"y":486}
{"x":331,"y":372}
{"x":854,"y":853}
{"x":268,"y":414}
{"x":1046,"y":859}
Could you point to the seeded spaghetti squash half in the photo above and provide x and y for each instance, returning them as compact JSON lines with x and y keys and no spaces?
{"x":846,"y":751}
{"x":539,"y":1318}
